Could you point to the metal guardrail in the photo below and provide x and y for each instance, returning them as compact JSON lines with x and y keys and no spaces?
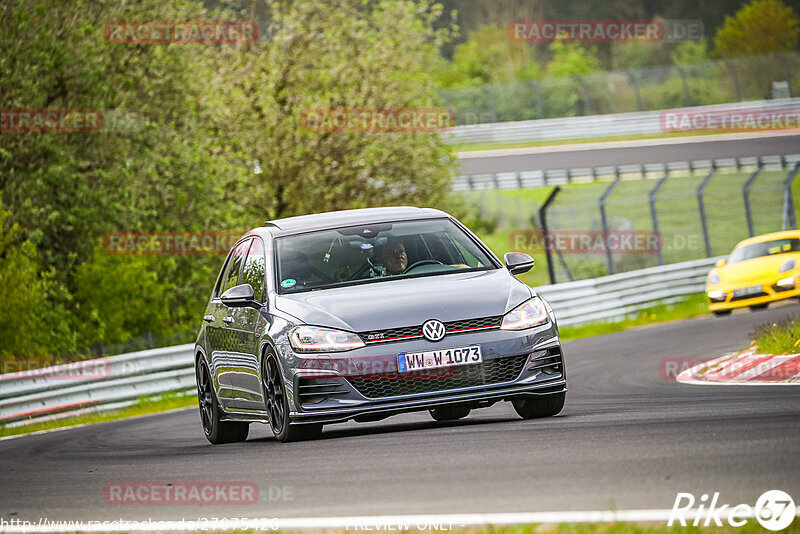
{"x":594,"y":126}
{"x":586,"y":175}
{"x":95,"y":383}
{"x":612,"y":297}
{"x":104,"y":383}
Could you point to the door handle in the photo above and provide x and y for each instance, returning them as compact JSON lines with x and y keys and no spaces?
{"x":209,"y":318}
{"x":227,"y":320}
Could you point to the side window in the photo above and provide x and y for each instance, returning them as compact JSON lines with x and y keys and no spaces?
{"x":234,"y":266}
{"x":254,"y":268}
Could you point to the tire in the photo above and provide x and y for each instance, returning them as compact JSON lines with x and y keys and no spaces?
{"x":215,"y":430}
{"x":720,"y":313}
{"x":449,"y":413}
{"x":757,"y":307}
{"x":277,"y":405}
{"x":536,"y":407}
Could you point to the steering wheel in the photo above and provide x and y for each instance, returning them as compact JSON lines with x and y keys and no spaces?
{"x":421,"y":262}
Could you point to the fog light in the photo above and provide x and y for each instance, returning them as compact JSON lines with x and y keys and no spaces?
{"x":717,"y":296}
{"x":786,"y":283}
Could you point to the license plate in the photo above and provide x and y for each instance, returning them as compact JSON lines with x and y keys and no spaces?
{"x":745,"y":291}
{"x":432,"y":359}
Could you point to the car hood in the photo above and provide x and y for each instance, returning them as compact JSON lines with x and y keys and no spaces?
{"x":397,"y":303}
{"x":754,"y":270}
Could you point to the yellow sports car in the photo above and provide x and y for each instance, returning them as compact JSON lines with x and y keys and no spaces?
{"x":760,"y":270}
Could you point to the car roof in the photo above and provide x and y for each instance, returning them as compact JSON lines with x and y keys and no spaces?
{"x":338,"y":219}
{"x":769,"y":237}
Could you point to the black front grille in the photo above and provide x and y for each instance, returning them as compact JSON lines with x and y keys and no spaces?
{"x":748,"y":297}
{"x":392,"y":334}
{"x":474,"y":323}
{"x":411,"y":332}
{"x":495,"y":371}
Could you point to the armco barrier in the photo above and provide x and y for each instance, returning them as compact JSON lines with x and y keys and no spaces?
{"x":594,"y":126}
{"x":127,"y":376}
{"x":151,"y":372}
{"x":612,"y":297}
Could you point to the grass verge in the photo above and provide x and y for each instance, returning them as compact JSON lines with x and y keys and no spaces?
{"x":145,"y":405}
{"x":778,"y":338}
{"x":692,"y":306}
{"x":467,"y":147}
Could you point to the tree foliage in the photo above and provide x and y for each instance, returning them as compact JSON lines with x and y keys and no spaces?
{"x":204,"y":114}
{"x":760,"y":27}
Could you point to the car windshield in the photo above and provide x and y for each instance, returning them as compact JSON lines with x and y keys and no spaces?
{"x":374,"y":253}
{"x":767,"y":248}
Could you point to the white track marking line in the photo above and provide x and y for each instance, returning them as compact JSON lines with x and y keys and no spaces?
{"x":432,"y":522}
{"x":59,"y":429}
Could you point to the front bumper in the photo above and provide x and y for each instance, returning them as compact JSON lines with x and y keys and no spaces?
{"x":770,"y":292}
{"x":521,"y":363}
{"x":482,"y":397}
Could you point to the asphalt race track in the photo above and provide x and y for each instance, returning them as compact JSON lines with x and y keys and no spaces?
{"x":627,"y":439}
{"x":624,"y":153}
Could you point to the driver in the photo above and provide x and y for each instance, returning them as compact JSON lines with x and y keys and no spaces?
{"x":392,"y":255}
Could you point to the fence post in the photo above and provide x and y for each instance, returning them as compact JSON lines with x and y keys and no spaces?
{"x":635,"y":82}
{"x":789,"y":220}
{"x":687,"y":98}
{"x":737,"y":90}
{"x":703,"y":220}
{"x":787,"y":71}
{"x":587,"y":104}
{"x":651,"y":197}
{"x":604,"y":220}
{"x":537,"y":92}
{"x":543,"y":220}
{"x":748,"y":214}
{"x":487,"y":89}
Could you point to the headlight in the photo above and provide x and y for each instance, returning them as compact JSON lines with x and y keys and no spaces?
{"x":319,"y":339}
{"x":713,"y":278}
{"x":528,"y":314}
{"x":788,"y":265}
{"x":717,"y":296}
{"x":786,"y":283}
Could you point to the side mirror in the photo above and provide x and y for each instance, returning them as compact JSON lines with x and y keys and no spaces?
{"x":721,"y":263}
{"x":518,"y":263}
{"x":240,"y":296}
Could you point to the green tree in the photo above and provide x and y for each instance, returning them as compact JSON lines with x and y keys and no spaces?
{"x":690,"y":52}
{"x":571,"y":59}
{"x":489,"y":56}
{"x":760,"y":27}
{"x":337,"y":54}
{"x":32,"y":316}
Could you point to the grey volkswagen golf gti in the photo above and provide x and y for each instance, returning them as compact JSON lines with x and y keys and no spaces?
{"x":369,"y":313}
